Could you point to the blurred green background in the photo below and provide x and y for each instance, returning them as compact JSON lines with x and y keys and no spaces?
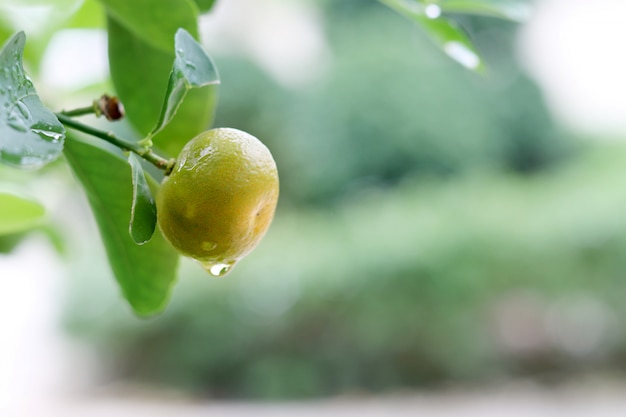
{"x":435,"y":227}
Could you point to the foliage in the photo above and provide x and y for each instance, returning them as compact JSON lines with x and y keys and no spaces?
{"x":145,"y":272}
{"x":30,"y":134}
{"x":33,"y":136}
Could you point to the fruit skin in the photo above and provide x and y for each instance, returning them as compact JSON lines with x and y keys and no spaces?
{"x":220,"y":198}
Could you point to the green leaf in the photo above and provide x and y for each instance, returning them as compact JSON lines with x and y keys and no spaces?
{"x":18,"y":214}
{"x":143,"y":209}
{"x":444,"y":32}
{"x":192,"y":68}
{"x":89,"y":15}
{"x":145,"y":273}
{"x":30,"y":134}
{"x":140,"y":75}
{"x":515,"y":10}
{"x":155,"y":21}
{"x":205,"y":5}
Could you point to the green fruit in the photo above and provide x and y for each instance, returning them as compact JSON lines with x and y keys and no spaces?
{"x":219,"y":199}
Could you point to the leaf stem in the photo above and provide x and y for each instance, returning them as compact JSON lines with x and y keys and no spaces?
{"x":126,"y":145}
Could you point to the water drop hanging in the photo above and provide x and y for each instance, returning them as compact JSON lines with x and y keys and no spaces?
{"x":218,"y":269}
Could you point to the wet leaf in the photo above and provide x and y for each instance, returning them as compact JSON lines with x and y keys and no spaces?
{"x":192,"y":68}
{"x":18,"y":214}
{"x":145,"y":273}
{"x":30,"y":134}
{"x":143,"y":210}
{"x":443,"y":31}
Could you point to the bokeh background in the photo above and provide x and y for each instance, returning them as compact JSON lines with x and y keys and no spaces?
{"x":437,"y":228}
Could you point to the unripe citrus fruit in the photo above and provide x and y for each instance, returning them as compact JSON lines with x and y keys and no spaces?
{"x":219,"y":199}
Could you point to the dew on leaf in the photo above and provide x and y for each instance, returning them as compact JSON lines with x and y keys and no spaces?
{"x":31,"y":135}
{"x":48,"y":135}
{"x":17,"y":124}
{"x":23,"y":109}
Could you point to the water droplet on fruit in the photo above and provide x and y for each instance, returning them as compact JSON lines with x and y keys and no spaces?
{"x":190,"y":64}
{"x":208,"y":246}
{"x":219,"y":269}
